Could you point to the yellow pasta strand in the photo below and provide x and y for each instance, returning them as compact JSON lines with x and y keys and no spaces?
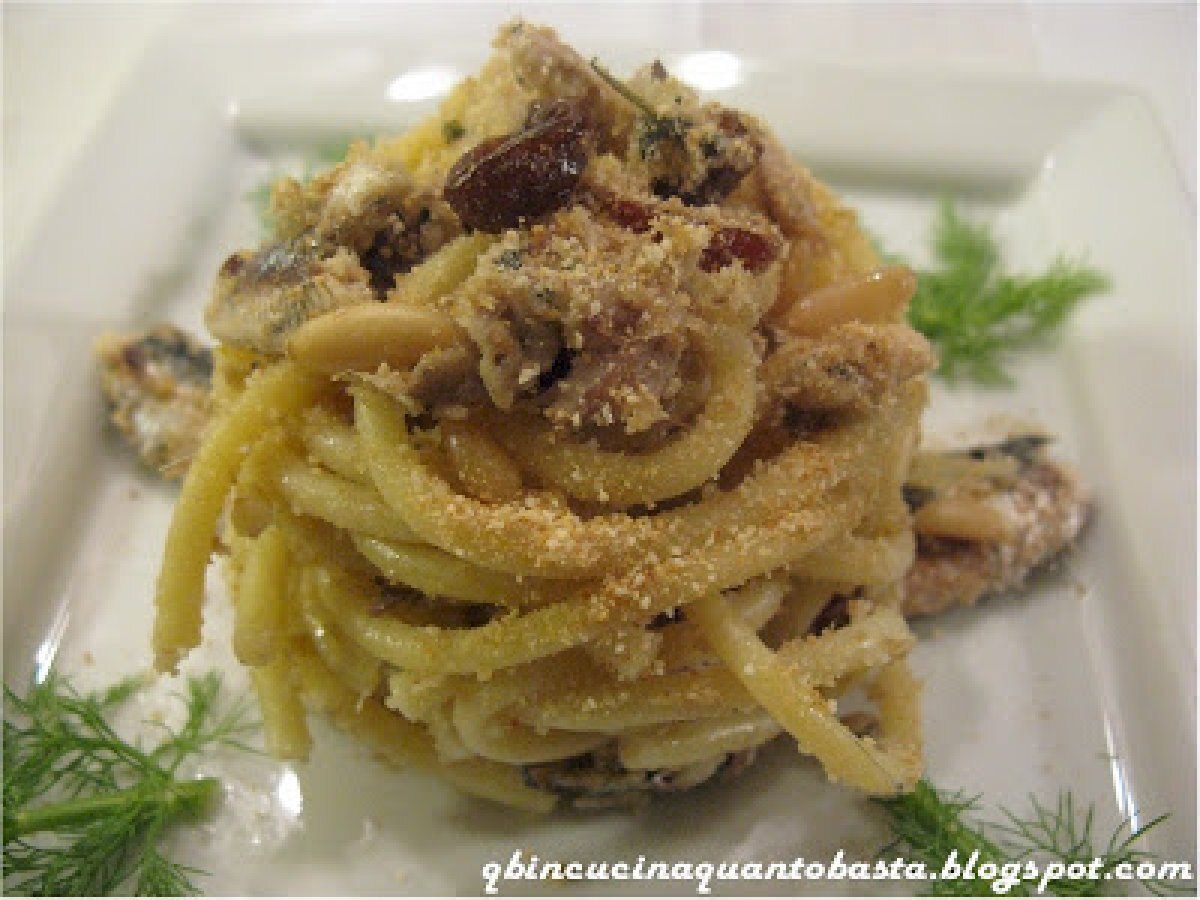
{"x":683,"y":743}
{"x":403,"y":743}
{"x":438,"y":574}
{"x":346,"y":504}
{"x":285,"y":729}
{"x":796,"y":705}
{"x":480,"y":464}
{"x":441,"y":273}
{"x":334,"y":445}
{"x":259,"y":616}
{"x":279,"y":391}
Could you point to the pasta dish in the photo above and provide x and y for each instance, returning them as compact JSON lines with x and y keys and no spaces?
{"x":560,"y":447}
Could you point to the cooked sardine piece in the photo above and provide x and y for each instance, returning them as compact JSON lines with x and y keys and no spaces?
{"x":851,"y":367}
{"x":262,"y":295}
{"x":787,"y":190}
{"x":382,"y":216}
{"x":597,"y":779}
{"x":986,"y":519}
{"x":350,"y":232}
{"x":553,"y":69}
{"x":157,"y":383}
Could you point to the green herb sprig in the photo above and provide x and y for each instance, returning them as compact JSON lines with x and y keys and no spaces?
{"x":655,"y":129}
{"x":931,"y":825}
{"x":975,"y":314}
{"x":84,"y":810}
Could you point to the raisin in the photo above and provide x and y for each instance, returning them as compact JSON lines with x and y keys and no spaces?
{"x":754,"y":250}
{"x":133,"y":356}
{"x":233,"y":266}
{"x":505,"y":181}
{"x":629,"y":214}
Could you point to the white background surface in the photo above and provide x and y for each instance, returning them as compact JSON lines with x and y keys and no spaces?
{"x":64,"y":62}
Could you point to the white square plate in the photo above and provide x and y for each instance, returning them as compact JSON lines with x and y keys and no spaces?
{"x":1087,"y":682}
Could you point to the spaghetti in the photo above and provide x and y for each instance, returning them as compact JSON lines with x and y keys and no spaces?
{"x":550,"y":435}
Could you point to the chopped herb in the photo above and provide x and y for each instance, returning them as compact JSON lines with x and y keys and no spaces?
{"x":974,"y":313}
{"x":85,"y":810}
{"x":452,"y":130}
{"x":654,"y":129}
{"x":621,"y":88}
{"x":509,"y":259}
{"x":932,"y":826}
{"x":654,"y":132}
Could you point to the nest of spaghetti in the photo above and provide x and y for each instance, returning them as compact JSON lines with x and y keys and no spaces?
{"x":559,"y":449}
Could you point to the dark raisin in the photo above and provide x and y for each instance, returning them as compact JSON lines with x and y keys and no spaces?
{"x":754,"y":250}
{"x":233,"y":265}
{"x":632,"y":215}
{"x":629,"y":214}
{"x":133,"y":357}
{"x":505,"y":181}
